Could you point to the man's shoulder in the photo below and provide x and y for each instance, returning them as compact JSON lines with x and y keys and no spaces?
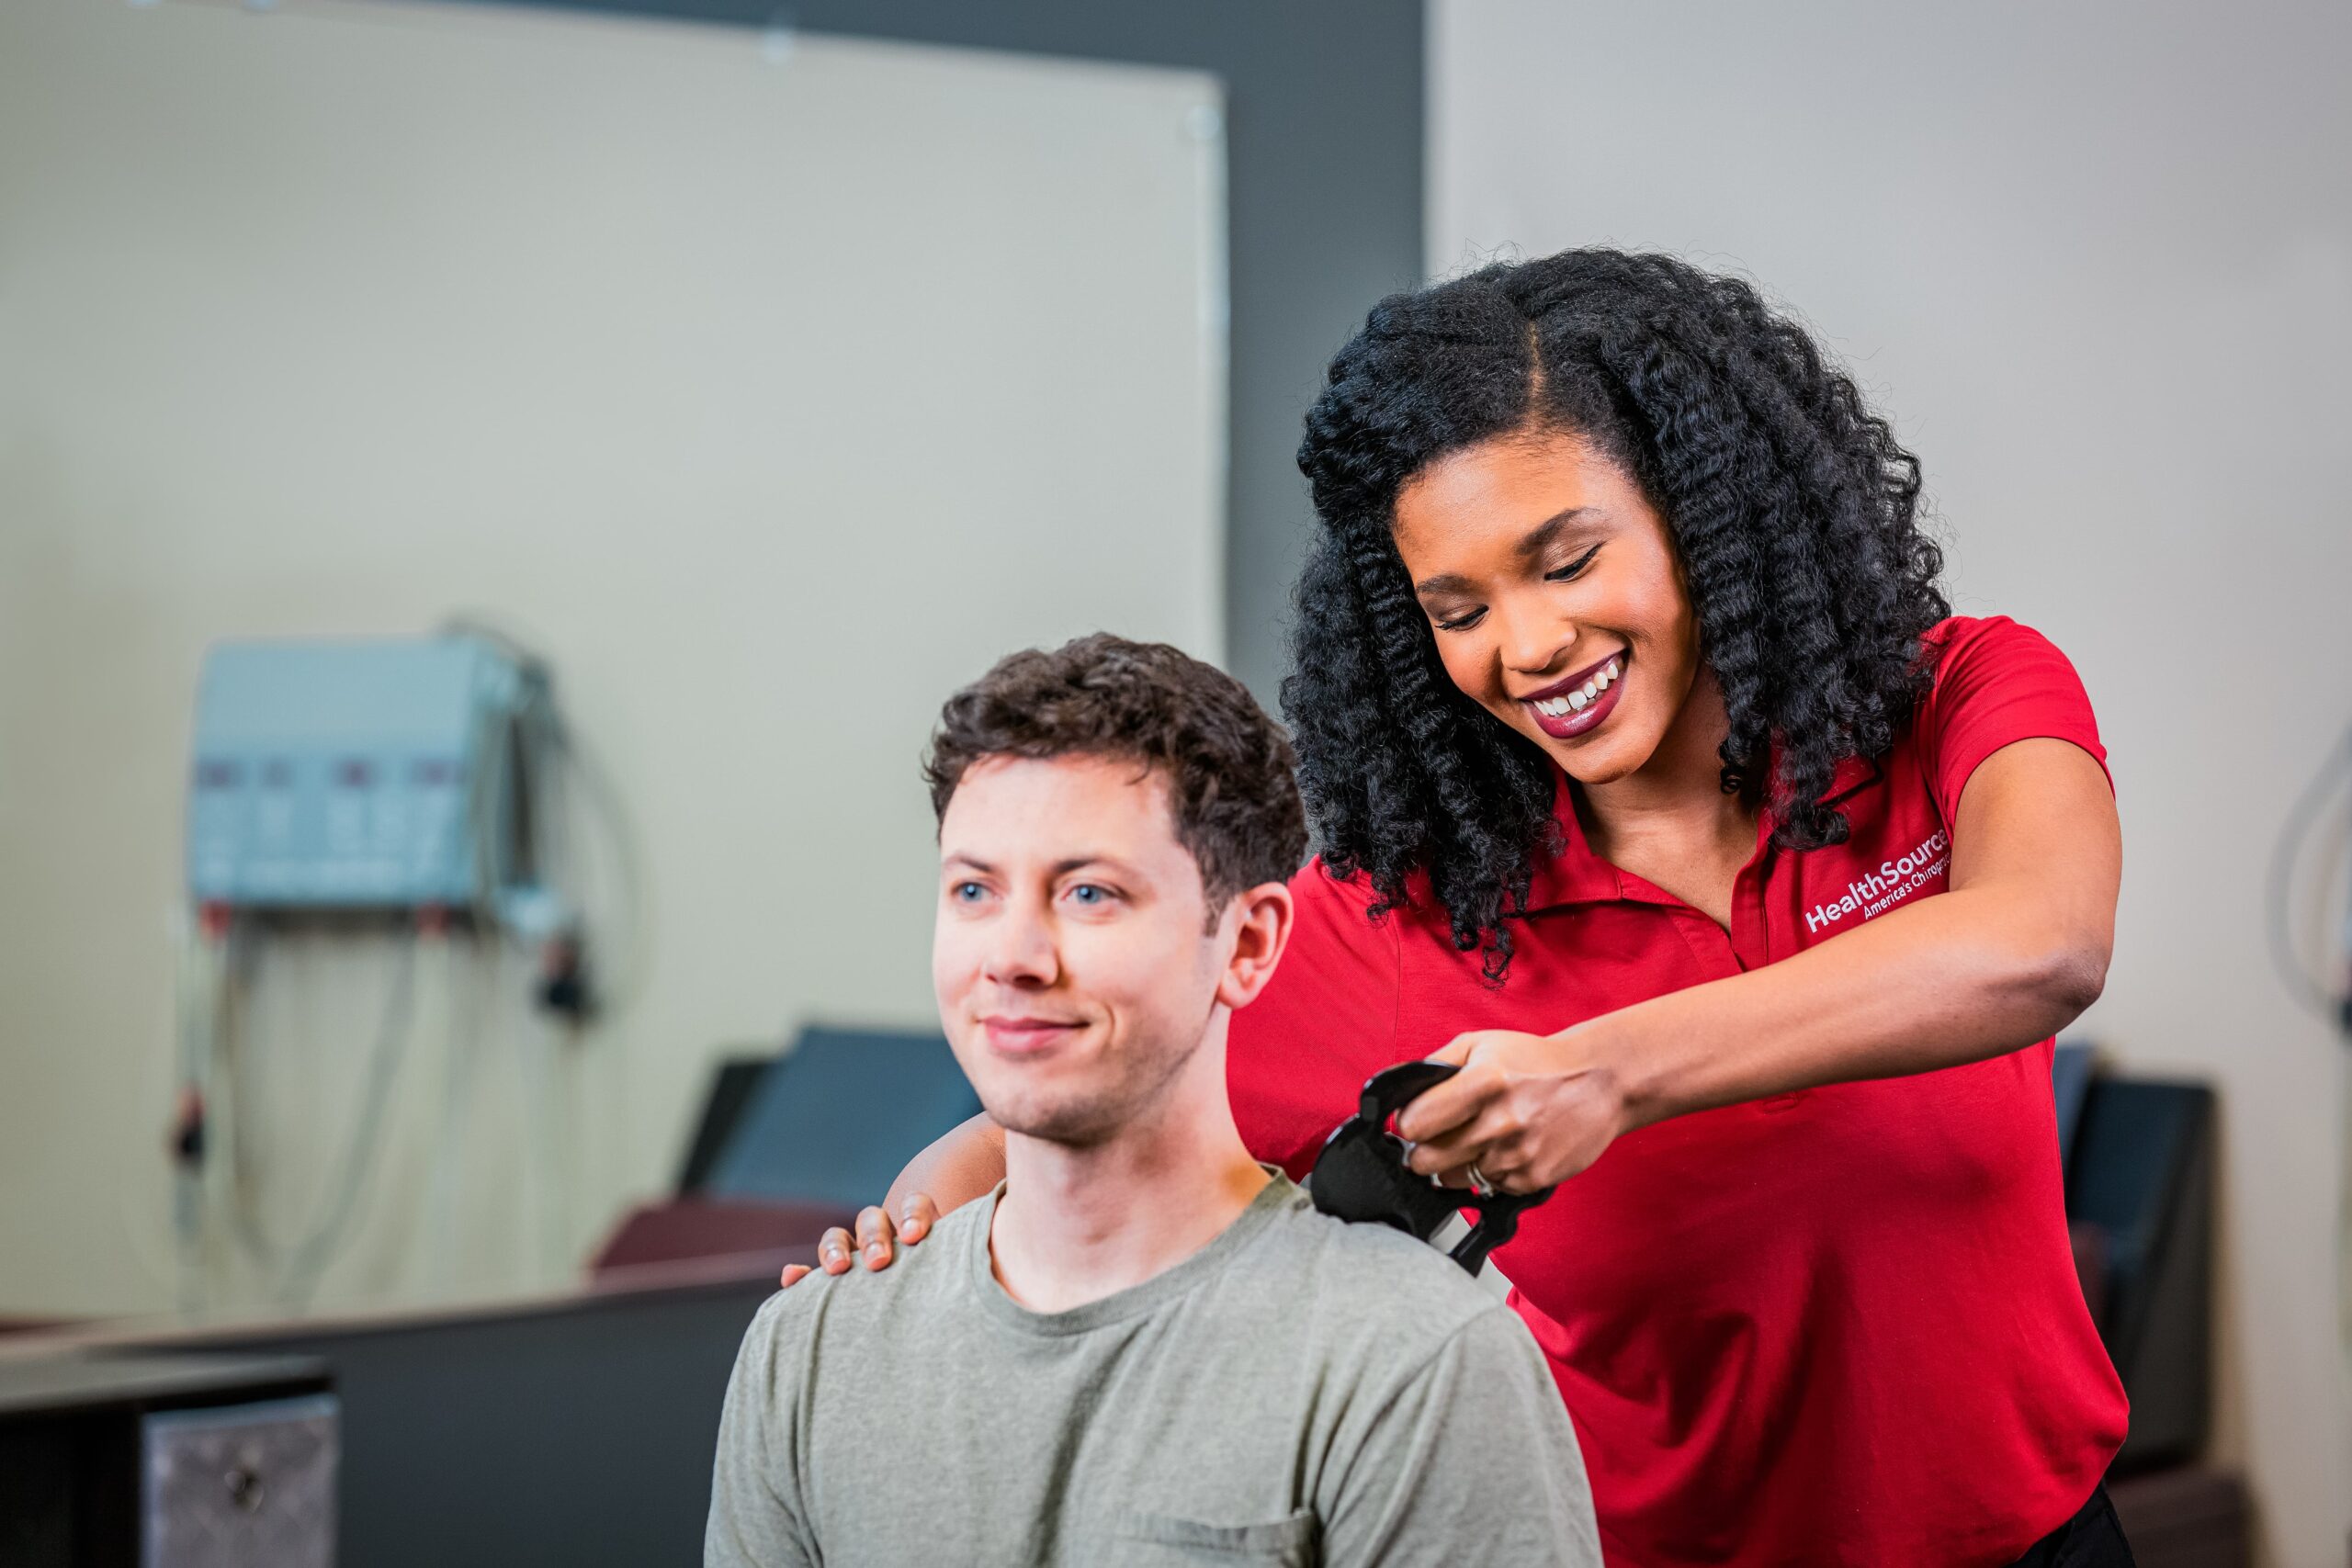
{"x":1371,"y":1281}
{"x":864,"y":1300}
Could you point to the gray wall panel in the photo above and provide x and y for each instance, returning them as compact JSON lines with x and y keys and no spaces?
{"x":1324,"y":134}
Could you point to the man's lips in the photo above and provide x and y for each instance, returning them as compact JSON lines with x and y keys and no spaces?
{"x":1019,"y":1035}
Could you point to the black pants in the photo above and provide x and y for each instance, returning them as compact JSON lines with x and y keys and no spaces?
{"x":2092,"y":1538}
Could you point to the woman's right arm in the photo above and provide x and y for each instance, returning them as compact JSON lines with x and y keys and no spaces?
{"x":964,"y":1164}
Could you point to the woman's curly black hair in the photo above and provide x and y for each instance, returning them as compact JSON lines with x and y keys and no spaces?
{"x":1791,"y":506}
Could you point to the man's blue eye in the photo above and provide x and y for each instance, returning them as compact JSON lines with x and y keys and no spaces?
{"x":968,"y":891}
{"x":1087,"y":893}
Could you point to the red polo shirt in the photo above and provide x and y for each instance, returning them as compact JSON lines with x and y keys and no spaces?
{"x":1839,"y":1327}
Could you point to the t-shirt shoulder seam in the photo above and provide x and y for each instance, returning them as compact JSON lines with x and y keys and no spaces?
{"x":1961,"y":636}
{"x":819,"y":1287}
{"x":1444,"y":1342}
{"x":1446,"y":1292}
{"x":787,"y":1321}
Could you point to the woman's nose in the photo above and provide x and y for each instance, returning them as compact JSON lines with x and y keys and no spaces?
{"x":1533,"y":641}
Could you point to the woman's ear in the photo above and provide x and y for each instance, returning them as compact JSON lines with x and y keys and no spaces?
{"x":1262,"y":920}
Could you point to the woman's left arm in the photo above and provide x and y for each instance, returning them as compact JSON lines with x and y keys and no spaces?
{"x":2013,"y":951}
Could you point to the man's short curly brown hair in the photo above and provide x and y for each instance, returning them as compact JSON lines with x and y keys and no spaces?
{"x":1228,"y":766}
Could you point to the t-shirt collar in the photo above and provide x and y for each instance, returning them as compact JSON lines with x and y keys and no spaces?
{"x":1279,"y":1194}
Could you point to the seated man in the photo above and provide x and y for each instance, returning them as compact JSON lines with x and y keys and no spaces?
{"x":1145,"y":1346}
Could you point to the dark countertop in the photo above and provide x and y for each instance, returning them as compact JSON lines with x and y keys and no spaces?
{"x":41,"y":1385}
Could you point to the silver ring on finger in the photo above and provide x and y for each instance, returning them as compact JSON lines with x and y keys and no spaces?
{"x":1479,"y":1184}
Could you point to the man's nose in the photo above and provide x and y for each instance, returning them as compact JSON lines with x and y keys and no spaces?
{"x":1020,"y":949}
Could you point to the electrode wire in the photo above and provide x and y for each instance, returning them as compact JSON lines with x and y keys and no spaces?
{"x":2294,"y":834}
{"x":297,"y":1268}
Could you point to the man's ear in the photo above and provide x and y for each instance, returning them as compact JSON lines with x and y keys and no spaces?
{"x":1262,"y":917}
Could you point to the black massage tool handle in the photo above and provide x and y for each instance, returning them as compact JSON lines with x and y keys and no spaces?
{"x":1362,"y":1175}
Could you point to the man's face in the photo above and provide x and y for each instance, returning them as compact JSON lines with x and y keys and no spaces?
{"x":1072,"y":957}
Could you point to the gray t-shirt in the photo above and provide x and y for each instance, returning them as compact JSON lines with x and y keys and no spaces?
{"x":1298,"y":1392}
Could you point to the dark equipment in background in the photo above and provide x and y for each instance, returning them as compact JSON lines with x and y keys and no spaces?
{"x":2071,"y":1069}
{"x":575,"y":1430}
{"x":731,"y":1090}
{"x":1361,"y":1175}
{"x":790,"y":1144}
{"x":2143,"y":1174}
{"x":166,"y":1461}
{"x":2138,"y":1156}
{"x":837,"y":1118}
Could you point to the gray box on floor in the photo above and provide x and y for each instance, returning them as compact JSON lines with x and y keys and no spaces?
{"x":240,"y":1486}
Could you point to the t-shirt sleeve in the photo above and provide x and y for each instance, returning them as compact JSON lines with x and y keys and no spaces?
{"x":1474,"y":1447}
{"x":1333,"y":994}
{"x":756,"y":1518}
{"x":1996,"y":683}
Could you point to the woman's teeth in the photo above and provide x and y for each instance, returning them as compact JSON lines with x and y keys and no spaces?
{"x":1576,"y":701}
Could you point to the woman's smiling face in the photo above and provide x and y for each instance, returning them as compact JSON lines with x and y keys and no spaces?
{"x":1555,"y":597}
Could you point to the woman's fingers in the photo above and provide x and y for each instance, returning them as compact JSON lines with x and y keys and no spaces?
{"x":876,"y":1242}
{"x":833,"y":1251}
{"x":1529,"y":1111}
{"x":1499,"y":1172}
{"x":876,"y":1236}
{"x":916,"y":1214}
{"x":1486,"y":1142}
{"x":1442,"y":1108}
{"x":1445,"y":1110}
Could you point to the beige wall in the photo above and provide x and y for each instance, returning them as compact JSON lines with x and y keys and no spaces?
{"x":2097,"y":261}
{"x":773,"y":390}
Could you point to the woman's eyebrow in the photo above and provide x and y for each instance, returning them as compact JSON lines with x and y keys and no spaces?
{"x":1541,"y":537}
{"x":1533,"y":542}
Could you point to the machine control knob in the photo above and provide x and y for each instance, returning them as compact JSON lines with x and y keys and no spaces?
{"x":246,"y":1489}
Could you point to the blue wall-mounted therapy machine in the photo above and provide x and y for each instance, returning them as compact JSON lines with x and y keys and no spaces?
{"x":376,"y":774}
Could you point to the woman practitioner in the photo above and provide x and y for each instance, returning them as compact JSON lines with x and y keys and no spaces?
{"x":1658,"y":789}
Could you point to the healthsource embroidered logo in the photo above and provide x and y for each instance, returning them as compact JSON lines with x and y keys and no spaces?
{"x":1892,"y":882}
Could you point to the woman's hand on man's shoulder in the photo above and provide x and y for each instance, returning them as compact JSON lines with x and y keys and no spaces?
{"x":878,"y":1240}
